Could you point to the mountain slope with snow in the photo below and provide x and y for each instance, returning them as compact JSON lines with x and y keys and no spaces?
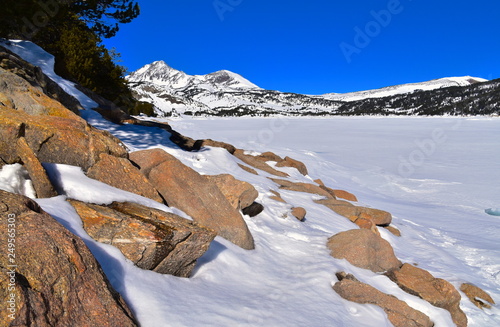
{"x":405,"y":88}
{"x":224,"y":93}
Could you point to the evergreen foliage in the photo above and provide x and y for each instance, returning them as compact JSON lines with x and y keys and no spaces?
{"x":72,"y":31}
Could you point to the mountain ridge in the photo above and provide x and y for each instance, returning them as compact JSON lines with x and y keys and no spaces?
{"x":224,"y":93}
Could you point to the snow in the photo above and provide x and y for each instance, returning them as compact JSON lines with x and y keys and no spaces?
{"x":405,"y":88}
{"x":287,"y":279}
{"x":35,"y":55}
{"x":435,"y":175}
{"x":15,"y":179}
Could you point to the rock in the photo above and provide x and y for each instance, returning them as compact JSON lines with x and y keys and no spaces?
{"x":393,"y":230}
{"x":337,"y":193}
{"x":122,"y":174}
{"x":398,"y":312}
{"x":344,"y":195}
{"x":58,"y":282}
{"x":343,"y":208}
{"x":276,"y":196}
{"x":299,"y":213}
{"x":41,"y":182}
{"x":32,"y":86}
{"x":253,"y":210}
{"x":269,"y":156}
{"x":367,"y":224}
{"x":208,"y":142}
{"x":54,"y":139}
{"x":352,"y":212}
{"x":184,"y":188}
{"x":436,"y":291}
{"x":258,"y":163}
{"x":480,"y":298}
{"x":364,"y":249}
{"x":240,"y":194}
{"x":289,"y":162}
{"x":301,"y":187}
{"x":248,"y":169}
{"x":150,"y":238}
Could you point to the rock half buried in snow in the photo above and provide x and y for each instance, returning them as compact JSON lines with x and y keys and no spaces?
{"x":352,"y":212}
{"x":184,"y":188}
{"x":399,"y":313}
{"x":150,"y":238}
{"x":240,"y":194}
{"x":122,"y":174}
{"x":480,"y":298}
{"x":436,"y":291}
{"x":364,"y":249}
{"x":58,"y":282}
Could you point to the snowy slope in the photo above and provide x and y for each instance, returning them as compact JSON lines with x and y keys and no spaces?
{"x":437,"y":201}
{"x":162,"y":74}
{"x":405,"y":88}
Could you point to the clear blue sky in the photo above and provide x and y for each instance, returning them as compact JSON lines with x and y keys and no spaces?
{"x":317,"y":46}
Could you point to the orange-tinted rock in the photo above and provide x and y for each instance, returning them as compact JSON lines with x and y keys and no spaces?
{"x":301,"y":187}
{"x":248,"y":169}
{"x":480,"y":298}
{"x":366,"y":223}
{"x":393,"y":230}
{"x":122,"y":174}
{"x":436,"y":291}
{"x":299,"y":213}
{"x":364,"y":249}
{"x":398,"y":312}
{"x":240,"y":194}
{"x":56,"y":139}
{"x":257,"y":163}
{"x":289,"y":162}
{"x":345,"y":195}
{"x":184,"y":188}
{"x":276,"y":196}
{"x":58,"y":282}
{"x":41,"y":182}
{"x":150,"y":238}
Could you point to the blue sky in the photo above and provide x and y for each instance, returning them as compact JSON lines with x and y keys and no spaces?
{"x":317,"y":46}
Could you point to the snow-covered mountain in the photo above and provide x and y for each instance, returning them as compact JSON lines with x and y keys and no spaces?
{"x":406,"y":88}
{"x":225,"y":93}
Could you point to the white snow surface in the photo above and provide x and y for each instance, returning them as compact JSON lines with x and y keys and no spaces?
{"x":435,"y":175}
{"x":15,"y":179}
{"x":35,"y":55}
{"x":160,"y":73}
{"x":286,"y":281}
{"x":405,"y":88}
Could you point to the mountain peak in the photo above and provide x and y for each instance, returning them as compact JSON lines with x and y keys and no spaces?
{"x":159,"y":72}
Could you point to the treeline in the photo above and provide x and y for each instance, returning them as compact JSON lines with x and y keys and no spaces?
{"x":73,"y":31}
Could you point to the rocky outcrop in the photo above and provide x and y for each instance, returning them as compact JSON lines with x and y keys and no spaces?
{"x":56,"y":281}
{"x":301,"y":187}
{"x":122,"y":174}
{"x":364,"y":249}
{"x":55,"y":139}
{"x":341,"y":194}
{"x":289,"y":162}
{"x":398,"y":312}
{"x":41,"y":182}
{"x":258,"y":162}
{"x":184,"y":188}
{"x":436,"y":291}
{"x":25,"y":87}
{"x":150,"y":238}
{"x":479,"y":297}
{"x":352,"y":212}
{"x":240,"y":194}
